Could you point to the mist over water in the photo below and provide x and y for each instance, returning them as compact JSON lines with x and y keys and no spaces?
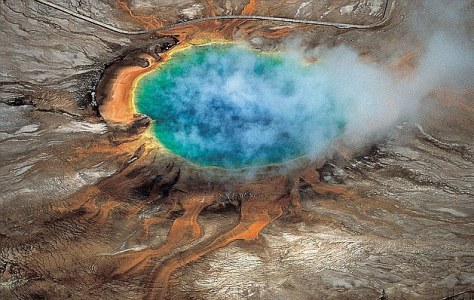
{"x":230,"y":106}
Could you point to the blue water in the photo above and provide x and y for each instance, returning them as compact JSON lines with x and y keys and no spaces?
{"x":230,"y":106}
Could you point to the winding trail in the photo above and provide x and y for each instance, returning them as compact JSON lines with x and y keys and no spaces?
{"x":389,"y":4}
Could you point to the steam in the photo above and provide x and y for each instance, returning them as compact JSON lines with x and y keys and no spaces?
{"x":377,"y":98}
{"x":231,"y":106}
{"x":445,"y":28}
{"x":246,"y":108}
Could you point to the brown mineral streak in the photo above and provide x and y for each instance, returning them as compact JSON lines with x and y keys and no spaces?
{"x":118,"y":107}
{"x":212,"y":8}
{"x":228,"y":29}
{"x":148,"y":22}
{"x":184,"y":230}
{"x":256,"y":213}
{"x":250,"y":7}
{"x":449,"y":98}
{"x":147,"y":223}
{"x":208,"y":29}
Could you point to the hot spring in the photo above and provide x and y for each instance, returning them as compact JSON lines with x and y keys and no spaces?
{"x":231,"y":106}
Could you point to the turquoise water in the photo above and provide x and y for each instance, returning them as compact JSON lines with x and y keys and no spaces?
{"x":230,"y":106}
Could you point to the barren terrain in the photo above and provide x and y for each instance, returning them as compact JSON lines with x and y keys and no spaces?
{"x":91,"y":207}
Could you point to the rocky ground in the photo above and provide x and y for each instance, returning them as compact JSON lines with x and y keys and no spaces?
{"x":93,"y":210}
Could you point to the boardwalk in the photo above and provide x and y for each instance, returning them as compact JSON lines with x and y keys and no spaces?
{"x":389,"y":4}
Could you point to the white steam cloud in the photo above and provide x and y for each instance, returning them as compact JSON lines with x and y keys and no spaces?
{"x":377,"y":97}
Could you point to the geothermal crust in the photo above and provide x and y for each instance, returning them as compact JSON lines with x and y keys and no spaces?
{"x":93,"y":207}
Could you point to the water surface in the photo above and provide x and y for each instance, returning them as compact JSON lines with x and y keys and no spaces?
{"x":230,"y":106}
